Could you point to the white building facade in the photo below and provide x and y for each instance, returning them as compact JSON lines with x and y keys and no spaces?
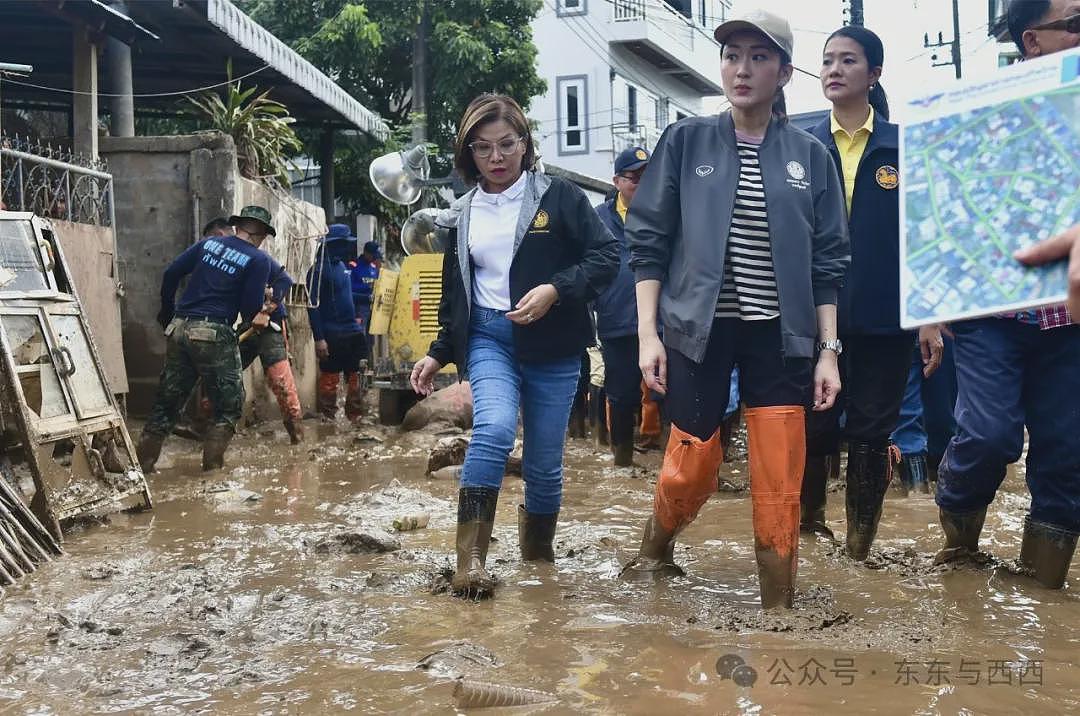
{"x":618,"y":73}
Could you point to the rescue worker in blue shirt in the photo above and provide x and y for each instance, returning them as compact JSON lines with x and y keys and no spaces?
{"x":363,"y":275}
{"x":228,"y":276}
{"x":270,"y":346}
{"x":340,"y":341}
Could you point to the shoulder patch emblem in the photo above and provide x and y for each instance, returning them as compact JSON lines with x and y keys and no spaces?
{"x":796,"y":171}
{"x":887,"y":177}
{"x":542,"y":220}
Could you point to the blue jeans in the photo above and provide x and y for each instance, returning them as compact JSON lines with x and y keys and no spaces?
{"x":1011,"y":375}
{"x":926,"y":422}
{"x":501,"y":385}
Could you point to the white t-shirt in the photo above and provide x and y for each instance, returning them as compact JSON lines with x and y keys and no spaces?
{"x":493,"y":220}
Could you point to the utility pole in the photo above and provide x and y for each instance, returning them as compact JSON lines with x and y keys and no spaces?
{"x":853,"y":12}
{"x":420,"y":74}
{"x":954,"y":45}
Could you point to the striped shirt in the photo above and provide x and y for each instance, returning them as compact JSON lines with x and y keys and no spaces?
{"x":749,"y":289}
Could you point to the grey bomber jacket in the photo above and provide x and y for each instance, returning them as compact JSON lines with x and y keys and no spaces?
{"x":679,"y":222}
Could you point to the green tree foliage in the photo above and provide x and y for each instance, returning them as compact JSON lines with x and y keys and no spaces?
{"x":366,"y":46}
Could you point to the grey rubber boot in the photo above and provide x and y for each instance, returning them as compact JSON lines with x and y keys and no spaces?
{"x":962,"y":530}
{"x":1047,"y":552}
{"x":656,"y":556}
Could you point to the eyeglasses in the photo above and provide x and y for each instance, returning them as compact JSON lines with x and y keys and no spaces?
{"x":483,"y":150}
{"x":632,"y":178}
{"x":1069,"y":24}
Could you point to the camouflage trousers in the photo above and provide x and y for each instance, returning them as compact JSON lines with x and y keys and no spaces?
{"x":198,"y":349}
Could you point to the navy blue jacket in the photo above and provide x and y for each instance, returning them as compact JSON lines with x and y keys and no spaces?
{"x":869,"y":301}
{"x":331,"y":288}
{"x":228,"y":276}
{"x":616,"y":307}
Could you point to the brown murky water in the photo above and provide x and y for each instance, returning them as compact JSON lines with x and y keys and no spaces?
{"x":218,"y":602}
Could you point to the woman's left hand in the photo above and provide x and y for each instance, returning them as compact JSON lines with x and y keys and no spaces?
{"x":534,"y":305}
{"x":826,"y":381}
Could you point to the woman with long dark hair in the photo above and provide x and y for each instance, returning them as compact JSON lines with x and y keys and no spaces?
{"x":876,"y":352}
{"x":525,"y":254}
{"x":738,"y":236}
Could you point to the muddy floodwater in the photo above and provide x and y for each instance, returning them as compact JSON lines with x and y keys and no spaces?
{"x":278,"y":586}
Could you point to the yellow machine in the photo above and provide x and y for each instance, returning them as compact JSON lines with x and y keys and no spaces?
{"x":405,"y":317}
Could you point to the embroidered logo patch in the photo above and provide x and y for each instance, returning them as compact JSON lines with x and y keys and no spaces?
{"x":542,"y":220}
{"x":796,"y":171}
{"x":704,"y":170}
{"x":887,"y":177}
{"x":641,"y":155}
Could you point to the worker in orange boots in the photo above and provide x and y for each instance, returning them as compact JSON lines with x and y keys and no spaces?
{"x":739,"y":281}
{"x":340,"y":340}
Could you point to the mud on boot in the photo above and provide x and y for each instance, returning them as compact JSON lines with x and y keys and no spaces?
{"x":869,"y":471}
{"x":912,"y":472}
{"x":295,"y":428}
{"x":962,"y":530}
{"x":149,"y":450}
{"x":215,"y":444}
{"x":656,"y":556}
{"x":476,"y":519}
{"x":1047,"y":552}
{"x":536,"y":535}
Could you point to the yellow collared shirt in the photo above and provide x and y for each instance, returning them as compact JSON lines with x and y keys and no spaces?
{"x":621,"y":207}
{"x":851,"y":148}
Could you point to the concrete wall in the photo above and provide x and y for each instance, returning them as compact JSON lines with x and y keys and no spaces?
{"x":167,"y":188}
{"x":89,"y":253}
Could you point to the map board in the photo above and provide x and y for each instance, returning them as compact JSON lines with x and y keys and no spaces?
{"x":990,"y":166}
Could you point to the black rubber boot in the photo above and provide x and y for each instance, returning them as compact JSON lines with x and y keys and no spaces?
{"x":913,"y":475}
{"x":149,"y":450}
{"x":869,"y":470}
{"x":536,"y":534}
{"x":622,"y":434}
{"x":962,"y":530}
{"x":215,"y":444}
{"x":1047,"y":552}
{"x":578,"y":417}
{"x":812,"y":498}
{"x":476,"y":518}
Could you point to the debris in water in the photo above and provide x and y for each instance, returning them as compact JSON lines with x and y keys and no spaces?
{"x":355,"y":542}
{"x":412,"y":522}
{"x":480,"y":695}
{"x":448,"y":451}
{"x":450,"y":472}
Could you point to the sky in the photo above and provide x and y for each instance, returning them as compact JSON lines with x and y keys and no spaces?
{"x":900,"y":24}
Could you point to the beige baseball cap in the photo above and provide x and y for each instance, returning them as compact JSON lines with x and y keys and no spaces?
{"x":772,"y":26}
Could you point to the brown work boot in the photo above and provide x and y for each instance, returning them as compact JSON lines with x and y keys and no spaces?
{"x":1047,"y":552}
{"x":215,"y":444}
{"x":536,"y":535}
{"x":295,"y":428}
{"x":777,"y":450}
{"x":476,"y":519}
{"x":149,"y":450}
{"x":962,"y":530}
{"x":812,"y":497}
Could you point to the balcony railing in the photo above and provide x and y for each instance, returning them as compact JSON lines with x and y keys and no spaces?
{"x":53,"y":183}
{"x":626,"y":10}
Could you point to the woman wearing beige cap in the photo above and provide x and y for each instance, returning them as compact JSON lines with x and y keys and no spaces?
{"x":739,"y":238}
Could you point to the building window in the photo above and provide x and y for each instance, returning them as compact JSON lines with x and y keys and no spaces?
{"x":573,"y":114}
{"x":631,"y":107}
{"x":703,"y":12}
{"x":564,"y":8}
{"x":661,"y":113}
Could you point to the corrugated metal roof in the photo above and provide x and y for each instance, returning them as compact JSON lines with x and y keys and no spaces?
{"x":259,"y":41}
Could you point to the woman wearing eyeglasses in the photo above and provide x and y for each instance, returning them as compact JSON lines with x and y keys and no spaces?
{"x":738,"y":237}
{"x":525,"y":254}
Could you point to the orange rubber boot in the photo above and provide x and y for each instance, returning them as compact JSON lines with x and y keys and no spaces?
{"x":687,"y":478}
{"x":280,"y":379}
{"x":777,"y":447}
{"x":354,"y":398}
{"x":650,"y":420}
{"x":327,"y":395}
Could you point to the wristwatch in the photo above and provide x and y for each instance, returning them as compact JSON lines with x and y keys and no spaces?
{"x":835,"y":345}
